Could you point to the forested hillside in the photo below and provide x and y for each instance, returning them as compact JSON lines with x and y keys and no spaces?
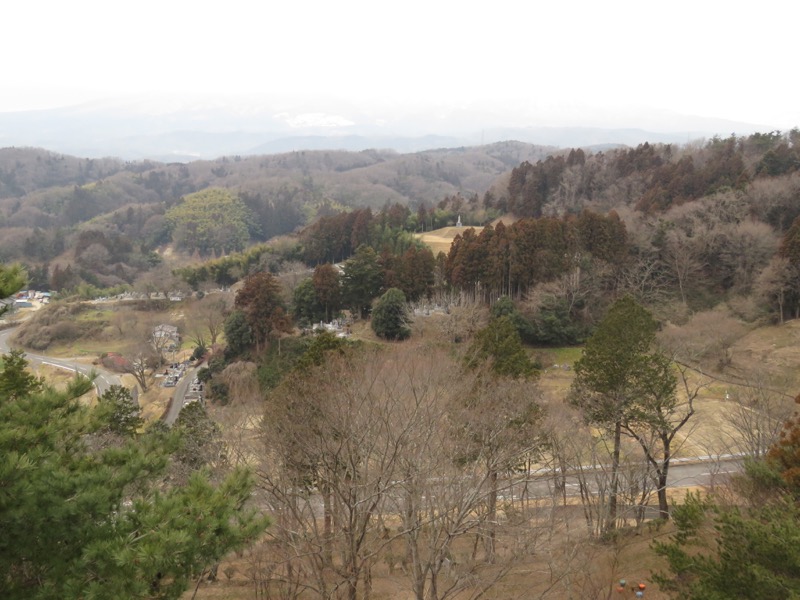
{"x":712,"y":213}
{"x":679,"y":229}
{"x":53,"y":208}
{"x":490,"y":421}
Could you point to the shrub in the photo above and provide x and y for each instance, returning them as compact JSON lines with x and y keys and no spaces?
{"x":390,"y":317}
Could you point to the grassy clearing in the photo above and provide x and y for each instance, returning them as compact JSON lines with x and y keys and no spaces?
{"x":440,"y":240}
{"x":567,"y":355}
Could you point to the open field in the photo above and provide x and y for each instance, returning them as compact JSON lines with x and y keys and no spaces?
{"x":440,"y":240}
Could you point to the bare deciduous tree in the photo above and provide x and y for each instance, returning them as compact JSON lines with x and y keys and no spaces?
{"x":646,"y":279}
{"x":140,"y":360}
{"x":706,"y":340}
{"x":497,"y":427}
{"x":359,"y":464}
{"x":777,"y":283}
{"x":466,"y":315}
{"x":756,"y":413}
{"x":242,"y":380}
{"x":684,"y":256}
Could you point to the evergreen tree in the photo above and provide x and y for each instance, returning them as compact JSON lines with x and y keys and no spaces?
{"x":262,"y":304}
{"x":201,"y":442}
{"x":12,"y":279}
{"x":612,"y":376}
{"x":500,"y":344}
{"x":211,"y":220}
{"x":124,"y":413}
{"x":504,"y":307}
{"x":81,"y":522}
{"x":323,"y":343}
{"x":15,"y":379}
{"x":305,"y":306}
{"x":362,"y":279}
{"x":238,"y":334}
{"x":722,"y":552}
{"x":390,"y":316}
{"x":327,"y":288}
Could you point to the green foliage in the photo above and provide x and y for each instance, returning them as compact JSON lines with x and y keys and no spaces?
{"x":319,"y":297}
{"x":718,"y":553}
{"x":82,"y":520}
{"x":505,"y":307}
{"x":500,"y":345}
{"x":760,"y":482}
{"x":216,"y":364}
{"x":390,"y":317}
{"x":321,"y":345}
{"x":199,"y":352}
{"x":124,"y":414}
{"x":211,"y":220}
{"x":362,"y":280}
{"x":219,"y":392}
{"x":205,"y":375}
{"x":238,"y":334}
{"x":200,"y":437}
{"x":15,"y":378}
{"x":306,"y":308}
{"x":277,"y":362}
{"x":12,"y":279}
{"x":623,"y":384}
{"x":553,"y":325}
{"x":615,"y":360}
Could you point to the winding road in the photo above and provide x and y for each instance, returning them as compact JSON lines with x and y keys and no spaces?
{"x":102,"y":379}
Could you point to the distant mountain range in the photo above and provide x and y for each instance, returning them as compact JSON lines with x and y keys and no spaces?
{"x":186,"y":131}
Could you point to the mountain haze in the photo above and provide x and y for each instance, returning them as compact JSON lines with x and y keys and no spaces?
{"x":177,"y":130}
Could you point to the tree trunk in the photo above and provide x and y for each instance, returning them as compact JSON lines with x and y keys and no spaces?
{"x":489,"y":542}
{"x":412,"y":558}
{"x":611,"y":522}
{"x":663,"y":472}
{"x":327,"y":524}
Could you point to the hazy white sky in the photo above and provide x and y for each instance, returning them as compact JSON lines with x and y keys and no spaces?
{"x":728,"y":59}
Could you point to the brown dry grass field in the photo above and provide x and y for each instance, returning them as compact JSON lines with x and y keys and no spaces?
{"x":440,"y":240}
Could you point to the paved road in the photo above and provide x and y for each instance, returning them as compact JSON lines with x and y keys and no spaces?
{"x":103,"y":379}
{"x":683,"y":473}
{"x":179,"y":396}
